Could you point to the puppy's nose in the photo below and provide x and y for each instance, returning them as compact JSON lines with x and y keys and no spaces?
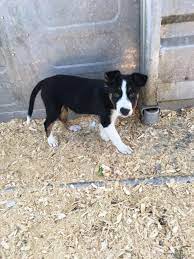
{"x":124,"y":111}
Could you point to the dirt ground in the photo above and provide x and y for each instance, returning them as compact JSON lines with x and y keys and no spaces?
{"x":39,"y":218}
{"x":144,"y":222}
{"x":164,"y":149}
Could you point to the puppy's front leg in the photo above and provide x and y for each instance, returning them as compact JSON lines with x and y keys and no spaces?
{"x":113,"y":135}
{"x":103,"y":134}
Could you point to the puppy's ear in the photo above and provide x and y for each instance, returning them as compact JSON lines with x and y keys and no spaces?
{"x":111,"y":76}
{"x":139,"y":79}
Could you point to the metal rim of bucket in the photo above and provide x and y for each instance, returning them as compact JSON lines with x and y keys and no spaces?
{"x":150,"y":115}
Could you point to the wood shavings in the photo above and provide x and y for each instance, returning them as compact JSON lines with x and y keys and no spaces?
{"x":119,"y":218}
{"x":162,"y":149}
{"x":4,"y":244}
{"x":126,"y":191}
{"x":41,"y":218}
{"x":98,"y":223}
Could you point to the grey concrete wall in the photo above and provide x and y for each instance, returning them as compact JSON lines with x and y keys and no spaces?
{"x":87,"y":37}
{"x":42,"y":38}
{"x":176,"y":7}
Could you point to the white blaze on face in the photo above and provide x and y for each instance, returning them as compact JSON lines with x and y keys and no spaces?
{"x":124,"y":102}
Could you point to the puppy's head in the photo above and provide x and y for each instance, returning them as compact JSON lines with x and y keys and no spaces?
{"x":123,"y":90}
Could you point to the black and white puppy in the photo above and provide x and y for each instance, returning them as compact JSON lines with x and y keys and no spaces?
{"x":110,"y":98}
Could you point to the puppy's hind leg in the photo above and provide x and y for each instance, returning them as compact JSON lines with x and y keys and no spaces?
{"x":63,"y":115}
{"x":52,"y":115}
{"x":52,"y":141}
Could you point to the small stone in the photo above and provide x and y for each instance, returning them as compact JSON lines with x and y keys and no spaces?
{"x":75,"y":128}
{"x":161,"y":243}
{"x":157,"y":168}
{"x":10,"y":189}
{"x":92,"y":125}
{"x":60,"y":216}
{"x":10,"y":204}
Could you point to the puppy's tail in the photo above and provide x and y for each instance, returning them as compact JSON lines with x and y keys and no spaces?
{"x":33,"y":95}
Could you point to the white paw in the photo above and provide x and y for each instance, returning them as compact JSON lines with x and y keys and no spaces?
{"x":124,"y":149}
{"x":28,"y":120}
{"x":103,"y":135}
{"x":52,"y":141}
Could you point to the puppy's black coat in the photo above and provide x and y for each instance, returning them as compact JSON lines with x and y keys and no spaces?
{"x":85,"y":96}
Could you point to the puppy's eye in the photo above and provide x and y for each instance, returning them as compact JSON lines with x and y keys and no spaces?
{"x":132,"y":95}
{"x":117,"y":94}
